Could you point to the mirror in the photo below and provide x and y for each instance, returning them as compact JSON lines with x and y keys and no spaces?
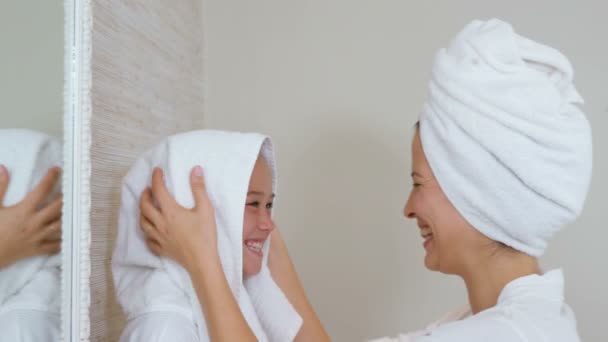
{"x":31,"y":136}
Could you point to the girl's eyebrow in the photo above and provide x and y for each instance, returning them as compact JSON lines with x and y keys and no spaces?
{"x":258,"y":193}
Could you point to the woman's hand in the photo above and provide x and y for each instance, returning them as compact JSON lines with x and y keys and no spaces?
{"x":26,"y":231}
{"x":187,"y":236}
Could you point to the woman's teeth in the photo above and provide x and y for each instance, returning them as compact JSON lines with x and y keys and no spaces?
{"x":426,"y":232}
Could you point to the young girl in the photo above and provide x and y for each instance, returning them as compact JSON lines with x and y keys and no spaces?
{"x":158,"y":295}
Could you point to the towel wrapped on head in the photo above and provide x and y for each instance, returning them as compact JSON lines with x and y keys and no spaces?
{"x":504,"y":135}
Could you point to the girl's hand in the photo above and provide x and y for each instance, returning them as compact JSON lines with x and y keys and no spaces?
{"x":187,"y":236}
{"x":25,"y":230}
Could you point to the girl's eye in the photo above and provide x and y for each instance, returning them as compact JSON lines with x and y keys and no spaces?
{"x":415,"y":185}
{"x":256,"y":204}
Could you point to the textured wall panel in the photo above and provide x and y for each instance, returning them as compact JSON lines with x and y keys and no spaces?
{"x":147,"y":82}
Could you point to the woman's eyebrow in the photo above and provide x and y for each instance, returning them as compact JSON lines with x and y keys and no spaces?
{"x":416,"y":174}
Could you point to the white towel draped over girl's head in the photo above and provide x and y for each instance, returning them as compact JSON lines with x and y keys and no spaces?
{"x":146,"y":283}
{"x":32,"y":283}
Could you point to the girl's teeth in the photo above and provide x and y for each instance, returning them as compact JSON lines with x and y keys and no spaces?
{"x":254,"y":245}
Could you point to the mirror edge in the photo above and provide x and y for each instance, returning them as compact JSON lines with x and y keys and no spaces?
{"x":75,"y":325}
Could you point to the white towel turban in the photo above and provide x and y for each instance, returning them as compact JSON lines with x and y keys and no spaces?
{"x":504,"y":136}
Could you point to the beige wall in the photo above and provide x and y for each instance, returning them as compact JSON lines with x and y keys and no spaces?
{"x":147,"y":83}
{"x":338,"y":84}
{"x":31,"y":65}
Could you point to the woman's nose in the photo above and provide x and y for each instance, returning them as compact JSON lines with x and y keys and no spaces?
{"x":408,"y":210}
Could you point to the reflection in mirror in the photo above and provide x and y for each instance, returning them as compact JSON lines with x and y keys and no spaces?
{"x":31,"y":106}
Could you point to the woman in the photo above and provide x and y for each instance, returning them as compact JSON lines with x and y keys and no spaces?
{"x":501,"y":162}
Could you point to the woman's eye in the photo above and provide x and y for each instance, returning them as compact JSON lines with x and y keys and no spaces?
{"x":269,"y":206}
{"x":415,"y":185}
{"x":254,"y":204}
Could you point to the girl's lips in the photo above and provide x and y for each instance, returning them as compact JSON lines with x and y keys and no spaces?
{"x":254,"y":247}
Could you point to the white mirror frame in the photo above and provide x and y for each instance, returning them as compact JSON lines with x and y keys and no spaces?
{"x":76,"y":174}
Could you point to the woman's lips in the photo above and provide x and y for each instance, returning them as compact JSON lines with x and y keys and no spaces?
{"x":427,"y":235}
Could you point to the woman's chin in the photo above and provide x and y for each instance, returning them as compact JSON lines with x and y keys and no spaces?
{"x":430,"y":263}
